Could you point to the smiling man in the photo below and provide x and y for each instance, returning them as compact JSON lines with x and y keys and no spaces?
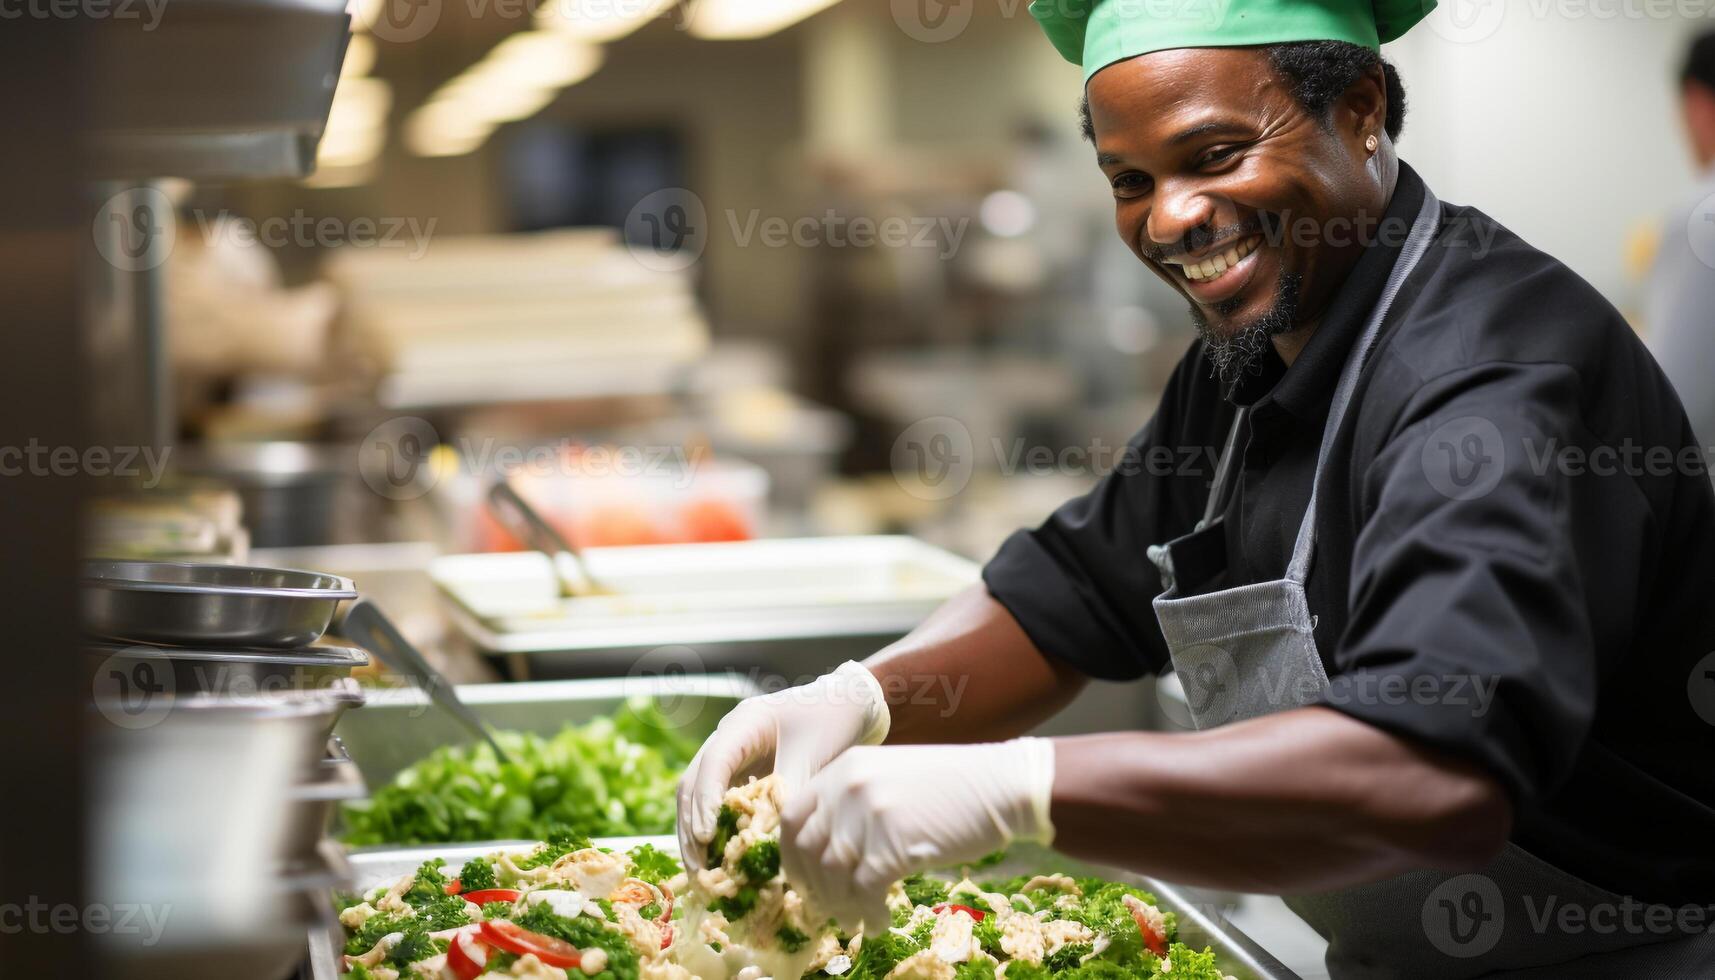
{"x":1452,"y":678}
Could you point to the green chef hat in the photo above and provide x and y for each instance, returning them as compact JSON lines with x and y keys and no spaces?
{"x":1097,"y":33}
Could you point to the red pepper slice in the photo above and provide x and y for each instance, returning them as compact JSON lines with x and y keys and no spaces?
{"x":467,"y":957}
{"x":516,"y":939}
{"x":977,"y":914}
{"x":453,"y":887}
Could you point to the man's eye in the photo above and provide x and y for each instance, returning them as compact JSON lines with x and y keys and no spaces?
{"x":1130,"y":184}
{"x":1217,"y":155}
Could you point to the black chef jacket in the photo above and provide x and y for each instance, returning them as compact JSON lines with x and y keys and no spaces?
{"x":1514,"y":498}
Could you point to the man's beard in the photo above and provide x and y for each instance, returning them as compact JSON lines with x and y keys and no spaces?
{"x":1241,"y":352}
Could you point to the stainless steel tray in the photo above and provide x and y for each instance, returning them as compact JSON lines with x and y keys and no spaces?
{"x":227,"y":671}
{"x":198,"y":604}
{"x":400,"y":725}
{"x":728,"y":592}
{"x":1200,"y":922}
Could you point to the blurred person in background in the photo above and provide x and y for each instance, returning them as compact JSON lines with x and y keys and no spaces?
{"x":1679,"y":299}
{"x":1447,"y":649}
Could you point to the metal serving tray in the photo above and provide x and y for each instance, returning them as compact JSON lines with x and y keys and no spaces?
{"x":792,"y":607}
{"x":236,"y":672}
{"x":704,"y":593}
{"x":1200,"y":922}
{"x":401,"y":725}
{"x":202,"y":604}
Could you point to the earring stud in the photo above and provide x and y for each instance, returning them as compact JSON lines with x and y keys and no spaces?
{"x":1372,"y":143}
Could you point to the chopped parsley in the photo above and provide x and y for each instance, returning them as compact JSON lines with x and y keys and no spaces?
{"x":476,"y":875}
{"x":726,"y":825}
{"x":923,"y":890}
{"x":791,"y":940}
{"x":560,"y":843}
{"x":430,"y":883}
{"x":738,"y":906}
{"x":652,"y":865}
{"x":761,"y":862}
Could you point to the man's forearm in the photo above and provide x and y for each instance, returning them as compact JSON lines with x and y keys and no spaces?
{"x":969,"y":674}
{"x":1302,"y":801}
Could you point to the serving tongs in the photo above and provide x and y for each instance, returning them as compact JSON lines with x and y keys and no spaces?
{"x":521,"y":519}
{"x":363,"y":623}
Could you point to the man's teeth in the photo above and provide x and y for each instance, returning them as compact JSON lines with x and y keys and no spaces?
{"x":1213,"y":266}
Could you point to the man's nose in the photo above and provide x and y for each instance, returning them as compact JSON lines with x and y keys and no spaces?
{"x":1177,"y":212}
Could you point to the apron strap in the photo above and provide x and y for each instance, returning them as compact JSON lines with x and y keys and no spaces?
{"x":1416,"y":244}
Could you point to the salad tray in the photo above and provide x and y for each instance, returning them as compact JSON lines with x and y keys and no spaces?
{"x":1201,"y":922}
{"x":399,"y":726}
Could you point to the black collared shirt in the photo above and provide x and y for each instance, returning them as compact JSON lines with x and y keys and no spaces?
{"x":1516,"y":545}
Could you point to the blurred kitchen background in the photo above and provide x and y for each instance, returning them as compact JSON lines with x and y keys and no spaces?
{"x":679,"y":273}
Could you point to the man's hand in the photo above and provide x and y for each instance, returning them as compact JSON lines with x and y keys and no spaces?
{"x":877,"y":814}
{"x":798,"y":731}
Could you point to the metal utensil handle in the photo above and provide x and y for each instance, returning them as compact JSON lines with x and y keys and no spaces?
{"x":365,"y":624}
{"x":521,"y":518}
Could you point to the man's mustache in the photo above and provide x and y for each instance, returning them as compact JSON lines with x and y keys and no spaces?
{"x":1202,"y":237}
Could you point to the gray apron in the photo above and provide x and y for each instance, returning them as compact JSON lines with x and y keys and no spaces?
{"x":1249,"y":651}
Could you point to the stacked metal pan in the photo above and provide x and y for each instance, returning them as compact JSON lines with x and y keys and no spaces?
{"x":215,"y":699}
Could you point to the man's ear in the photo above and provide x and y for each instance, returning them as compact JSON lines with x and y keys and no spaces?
{"x":1362,"y":110}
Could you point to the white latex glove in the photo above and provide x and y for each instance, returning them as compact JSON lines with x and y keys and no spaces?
{"x":801,"y":728}
{"x":875,"y":815}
